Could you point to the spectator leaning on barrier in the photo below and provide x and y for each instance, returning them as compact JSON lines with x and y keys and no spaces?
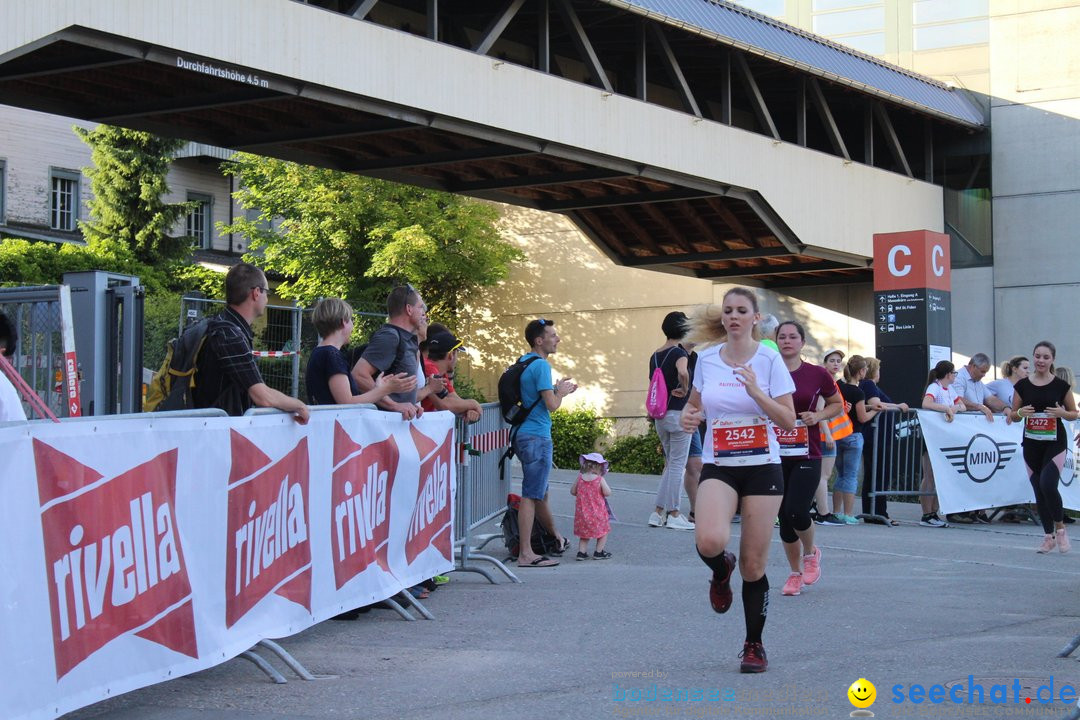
{"x":228,"y":377}
{"x":328,"y":380}
{"x":440,"y":354}
{"x":975,"y":397}
{"x":11,"y":408}
{"x":394,"y":348}
{"x":532,"y":442}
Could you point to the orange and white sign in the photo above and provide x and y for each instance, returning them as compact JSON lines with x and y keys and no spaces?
{"x":914,"y":259}
{"x":794,"y":442}
{"x":740,"y":439}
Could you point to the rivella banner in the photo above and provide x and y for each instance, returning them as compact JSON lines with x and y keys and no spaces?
{"x":133,"y":551}
{"x":978,"y":464}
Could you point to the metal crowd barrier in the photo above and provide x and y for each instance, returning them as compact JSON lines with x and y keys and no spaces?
{"x":897,"y":465}
{"x":481,"y":487}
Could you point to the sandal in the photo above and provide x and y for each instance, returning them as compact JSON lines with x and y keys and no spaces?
{"x":563,"y":548}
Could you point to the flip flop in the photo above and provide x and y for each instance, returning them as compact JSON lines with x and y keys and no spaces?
{"x":542,"y":561}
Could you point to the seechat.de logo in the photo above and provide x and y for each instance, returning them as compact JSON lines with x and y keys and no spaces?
{"x":980,"y":458}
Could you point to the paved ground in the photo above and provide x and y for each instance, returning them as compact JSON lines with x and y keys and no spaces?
{"x":898,"y":606}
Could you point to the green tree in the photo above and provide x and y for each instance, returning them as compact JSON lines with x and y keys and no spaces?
{"x":128,"y":180}
{"x":335,"y":234}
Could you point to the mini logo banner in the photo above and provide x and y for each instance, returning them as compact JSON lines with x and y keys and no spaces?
{"x":362,"y":485}
{"x":112,"y":556}
{"x":431,"y":522}
{"x":268,"y":549}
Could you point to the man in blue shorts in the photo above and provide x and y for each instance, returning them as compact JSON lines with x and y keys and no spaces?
{"x":532,"y":441}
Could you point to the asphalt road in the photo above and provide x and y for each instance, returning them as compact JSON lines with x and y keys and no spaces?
{"x":966,"y":608}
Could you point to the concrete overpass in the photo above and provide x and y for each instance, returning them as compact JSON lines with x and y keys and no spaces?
{"x":672,"y":140}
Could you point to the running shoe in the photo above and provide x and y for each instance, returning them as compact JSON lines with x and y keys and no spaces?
{"x":720,"y":590}
{"x":601,"y":555}
{"x":932,"y":520}
{"x":1048,"y":544}
{"x":753,"y":658}
{"x":441,"y":579}
{"x":849,"y":519}
{"x":811,"y":570}
{"x":655,"y":520}
{"x":678,"y":522}
{"x":582,"y":556}
{"x":1063,"y":541}
{"x":794,"y":584}
{"x":829,"y":519}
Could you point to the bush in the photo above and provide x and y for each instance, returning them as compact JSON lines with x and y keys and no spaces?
{"x":574,"y":433}
{"x":466,"y":388}
{"x":636,"y":454}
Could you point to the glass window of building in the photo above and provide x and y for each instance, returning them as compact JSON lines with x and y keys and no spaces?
{"x":200,"y":220}
{"x":822,"y":5}
{"x":935,"y":37}
{"x":870,"y":43}
{"x":63,"y":200}
{"x":935,"y":11}
{"x":847,"y":22}
{"x":775,"y":8}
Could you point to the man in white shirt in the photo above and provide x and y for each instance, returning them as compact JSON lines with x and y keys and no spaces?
{"x":974,"y":396}
{"x":10,"y":404}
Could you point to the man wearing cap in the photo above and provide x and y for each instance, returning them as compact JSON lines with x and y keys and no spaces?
{"x":440,"y":353}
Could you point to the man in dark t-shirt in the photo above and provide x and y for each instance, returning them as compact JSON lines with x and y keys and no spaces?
{"x":227,"y":375}
{"x":394,"y":348}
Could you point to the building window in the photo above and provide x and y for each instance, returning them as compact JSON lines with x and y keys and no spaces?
{"x":940,"y":24}
{"x":64,"y":200}
{"x":845,"y":22}
{"x":201,"y":219}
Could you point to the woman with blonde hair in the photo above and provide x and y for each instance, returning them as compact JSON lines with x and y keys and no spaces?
{"x":849,"y":449}
{"x":1012,"y":371}
{"x":741,"y":389}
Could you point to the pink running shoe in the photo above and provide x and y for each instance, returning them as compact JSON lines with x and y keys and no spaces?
{"x":1062,"y":539}
{"x":811,"y":571}
{"x":1048,"y":544}
{"x":794,"y":584}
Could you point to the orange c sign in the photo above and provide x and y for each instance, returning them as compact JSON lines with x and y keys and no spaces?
{"x":915,"y":259}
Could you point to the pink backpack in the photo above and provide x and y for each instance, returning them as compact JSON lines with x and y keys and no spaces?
{"x":656,"y":400}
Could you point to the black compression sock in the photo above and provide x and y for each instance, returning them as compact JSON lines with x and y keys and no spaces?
{"x":716,"y":563}
{"x":755,"y":598}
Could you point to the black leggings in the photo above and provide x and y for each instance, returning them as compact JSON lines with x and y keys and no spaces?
{"x":1044,"y":475}
{"x":801,"y":477}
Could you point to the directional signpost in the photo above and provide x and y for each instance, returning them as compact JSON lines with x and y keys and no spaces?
{"x":912,"y":309}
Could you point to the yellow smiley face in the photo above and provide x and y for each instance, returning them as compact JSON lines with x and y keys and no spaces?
{"x":862,"y":693}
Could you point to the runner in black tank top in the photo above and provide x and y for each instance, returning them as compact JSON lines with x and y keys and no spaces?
{"x":1042,"y":401}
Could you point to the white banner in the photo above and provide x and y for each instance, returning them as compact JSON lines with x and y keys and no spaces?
{"x":980,"y":465}
{"x":133,"y":551}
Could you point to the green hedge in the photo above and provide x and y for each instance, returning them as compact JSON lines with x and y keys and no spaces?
{"x":636,"y":454}
{"x":574,"y":433}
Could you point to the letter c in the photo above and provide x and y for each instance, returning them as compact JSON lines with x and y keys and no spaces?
{"x":893,"y":269}
{"x":938,"y":253}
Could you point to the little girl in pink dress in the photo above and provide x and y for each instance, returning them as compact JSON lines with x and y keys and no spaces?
{"x":591,"y":511}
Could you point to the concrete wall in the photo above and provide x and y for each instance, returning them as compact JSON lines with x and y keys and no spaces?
{"x":609,"y":316}
{"x":1035,"y":89}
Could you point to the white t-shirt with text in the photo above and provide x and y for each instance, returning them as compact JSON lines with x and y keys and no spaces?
{"x":724,"y":397}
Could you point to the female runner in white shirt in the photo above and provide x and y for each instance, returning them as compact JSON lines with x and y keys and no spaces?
{"x":741,"y":388}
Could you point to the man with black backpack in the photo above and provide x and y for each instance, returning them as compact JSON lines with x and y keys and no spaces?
{"x":227,"y":376}
{"x":532,"y":438}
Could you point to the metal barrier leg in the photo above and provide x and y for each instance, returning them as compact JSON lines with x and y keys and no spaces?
{"x":396,"y":607}
{"x":1068,"y":649}
{"x":292,"y":662}
{"x":266,"y":667}
{"x":416,"y":604}
{"x":497,"y":563}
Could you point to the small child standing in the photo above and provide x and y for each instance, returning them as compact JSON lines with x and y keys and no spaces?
{"x":591,"y":512}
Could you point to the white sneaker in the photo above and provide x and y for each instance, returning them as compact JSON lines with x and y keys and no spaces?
{"x":655,"y":520}
{"x":678,"y":522}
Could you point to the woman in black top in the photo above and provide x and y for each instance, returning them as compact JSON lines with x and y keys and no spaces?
{"x":1043,"y":401}
{"x":671,"y":359}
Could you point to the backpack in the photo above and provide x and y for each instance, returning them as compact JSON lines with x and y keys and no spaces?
{"x":656,"y":399}
{"x":170,"y":388}
{"x":543,"y":542}
{"x":513,"y":410}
